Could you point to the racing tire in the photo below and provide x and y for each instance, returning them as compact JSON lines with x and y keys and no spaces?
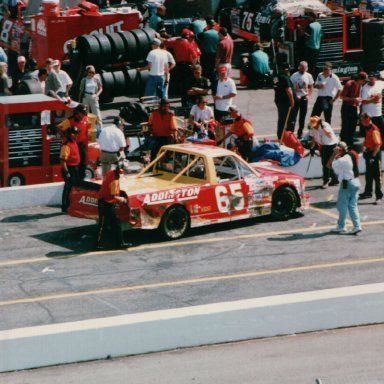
{"x":89,"y":173}
{"x":284,"y":203}
{"x":108,"y":82}
{"x":105,"y":49}
{"x":117,"y":47}
{"x":130,"y":46}
{"x":89,"y":48}
{"x":29,"y":87}
{"x":131,"y":81}
{"x":120,"y":83}
{"x":175,"y":222}
{"x":143,"y":45}
{"x":151,"y":34}
{"x":15,"y":180}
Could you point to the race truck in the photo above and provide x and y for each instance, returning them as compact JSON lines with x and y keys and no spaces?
{"x":341,"y":31}
{"x":191,"y":185}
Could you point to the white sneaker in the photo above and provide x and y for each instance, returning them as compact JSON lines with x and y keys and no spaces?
{"x":338,"y":230}
{"x":354,"y":231}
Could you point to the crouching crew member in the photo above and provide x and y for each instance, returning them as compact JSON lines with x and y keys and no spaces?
{"x":163,"y":126}
{"x":243,"y":130}
{"x":109,"y":195}
{"x":70,"y":160}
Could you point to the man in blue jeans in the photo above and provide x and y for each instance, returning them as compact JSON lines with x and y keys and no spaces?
{"x":344,"y":163}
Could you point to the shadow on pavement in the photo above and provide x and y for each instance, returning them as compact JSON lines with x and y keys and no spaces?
{"x":31,"y":217}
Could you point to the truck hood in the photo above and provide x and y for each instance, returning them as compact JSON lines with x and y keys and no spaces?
{"x":268,"y":169}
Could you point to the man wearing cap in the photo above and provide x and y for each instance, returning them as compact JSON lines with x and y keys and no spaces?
{"x":52,"y":83}
{"x":259,"y":69}
{"x":109,"y":196}
{"x":243,"y":130}
{"x":65,"y":81}
{"x":312,"y":37}
{"x":185,"y":56}
{"x":225,"y":92}
{"x":158,"y":66}
{"x":322,"y":134}
{"x":163,"y":127}
{"x":345,"y":164}
{"x":350,"y":95}
{"x":79,"y":119}
{"x":329,"y":88}
{"x":372,"y":156}
{"x":285,"y":97}
{"x":371,"y":95}
{"x":69,"y":160}
{"x":112,"y":142}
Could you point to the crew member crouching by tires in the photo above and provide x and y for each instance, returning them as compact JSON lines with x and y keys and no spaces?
{"x":163,"y":126}
{"x":70,"y":160}
{"x":243,"y":130}
{"x":109,"y":195}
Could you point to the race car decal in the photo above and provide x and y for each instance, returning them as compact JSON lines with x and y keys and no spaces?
{"x":171,"y":196}
{"x":88,"y":200}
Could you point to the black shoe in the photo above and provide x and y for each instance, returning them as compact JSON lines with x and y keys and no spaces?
{"x":365,"y":195}
{"x":333,"y":183}
{"x":125,"y":245}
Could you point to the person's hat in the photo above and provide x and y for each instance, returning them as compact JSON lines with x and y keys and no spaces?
{"x":222,"y":69}
{"x":233,"y":108}
{"x":156,"y":41}
{"x":81,"y":108}
{"x":73,"y":129}
{"x":285,"y":65}
{"x":374,"y":74}
{"x":56,"y":63}
{"x":164,"y":102}
{"x":186,"y":32}
{"x":313,"y":121}
{"x":362,"y":76}
{"x":21,"y":59}
{"x":343,"y":145}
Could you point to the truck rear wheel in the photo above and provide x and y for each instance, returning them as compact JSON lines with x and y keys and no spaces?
{"x":175,"y":222}
{"x":284,"y":203}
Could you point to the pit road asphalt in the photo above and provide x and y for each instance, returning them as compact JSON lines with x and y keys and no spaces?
{"x":49,"y":273}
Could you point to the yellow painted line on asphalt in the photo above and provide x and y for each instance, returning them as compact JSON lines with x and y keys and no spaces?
{"x":197,"y":280}
{"x":324,"y":212}
{"x":9,"y":263}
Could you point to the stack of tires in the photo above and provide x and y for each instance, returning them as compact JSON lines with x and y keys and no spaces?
{"x":115,"y":57}
{"x":373,"y":43}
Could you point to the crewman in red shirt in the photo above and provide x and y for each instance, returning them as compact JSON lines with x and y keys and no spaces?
{"x":163,"y":126}
{"x":79,"y":119}
{"x":372,"y":156}
{"x":70,"y":160}
{"x":109,"y":196}
{"x":185,"y":56}
{"x":243,"y":130}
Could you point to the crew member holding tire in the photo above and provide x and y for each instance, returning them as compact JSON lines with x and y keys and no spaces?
{"x":69,"y":160}
{"x":109,"y":195}
{"x":90,"y":90}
